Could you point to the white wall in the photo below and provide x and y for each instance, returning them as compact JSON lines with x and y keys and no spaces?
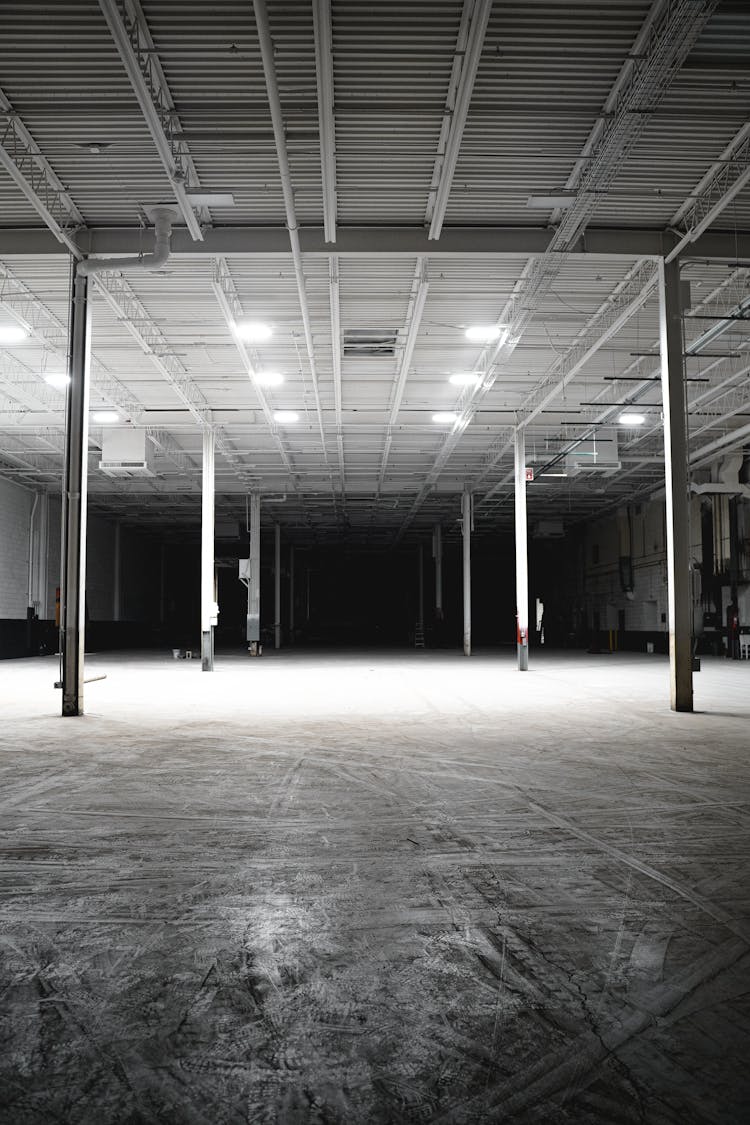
{"x":15,"y":512}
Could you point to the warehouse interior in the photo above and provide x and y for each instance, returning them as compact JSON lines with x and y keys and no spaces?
{"x":375,"y":561}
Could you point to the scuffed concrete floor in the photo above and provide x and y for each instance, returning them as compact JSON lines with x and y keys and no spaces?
{"x":352,"y":888}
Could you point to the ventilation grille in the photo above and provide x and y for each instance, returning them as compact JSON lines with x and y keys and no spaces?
{"x":370,"y":341}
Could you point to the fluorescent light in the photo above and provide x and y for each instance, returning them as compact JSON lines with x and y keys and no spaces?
{"x":444,"y":416}
{"x":268,"y":378}
{"x":632,"y":419}
{"x":105,"y":416}
{"x":254,"y":331}
{"x":484,"y":333}
{"x":550,"y":202}
{"x":210,"y":198}
{"x":554,"y":474}
{"x":12,"y":334}
{"x":57,"y":379}
{"x":286,"y":416}
{"x":465,"y":379}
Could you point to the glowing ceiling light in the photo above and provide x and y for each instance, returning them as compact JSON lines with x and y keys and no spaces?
{"x":105,"y":417}
{"x":631,"y":419}
{"x":268,"y":378}
{"x":57,"y":379}
{"x":254,"y":331}
{"x":444,"y":416}
{"x":484,"y":333}
{"x":286,"y":416}
{"x":12,"y":334}
{"x":465,"y":379}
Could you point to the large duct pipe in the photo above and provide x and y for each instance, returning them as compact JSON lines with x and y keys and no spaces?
{"x":163,"y":218}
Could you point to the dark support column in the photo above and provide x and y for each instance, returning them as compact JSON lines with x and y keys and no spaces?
{"x":676,"y":477}
{"x":73,"y":588}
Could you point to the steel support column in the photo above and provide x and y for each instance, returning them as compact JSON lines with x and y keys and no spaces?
{"x":277,"y":587}
{"x":208,"y":604}
{"x":466,"y":533}
{"x":676,"y":478}
{"x":437,"y":553}
{"x":117,"y":576}
{"x":522,"y":560}
{"x":253,"y":585}
{"x":420,"y":605}
{"x":291,"y":593}
{"x":73,"y":586}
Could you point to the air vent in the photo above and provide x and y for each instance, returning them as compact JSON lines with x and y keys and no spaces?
{"x":370,"y":341}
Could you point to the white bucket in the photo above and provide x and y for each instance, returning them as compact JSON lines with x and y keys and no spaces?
{"x":649,"y":646}
{"x":176,"y":653}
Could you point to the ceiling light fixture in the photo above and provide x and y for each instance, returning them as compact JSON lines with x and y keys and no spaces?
{"x":210,"y":198}
{"x":286,"y":416}
{"x":465,"y":379}
{"x":12,"y":334}
{"x":631,"y":419}
{"x":484,"y":333}
{"x":57,"y":379}
{"x":444,"y":416}
{"x":106,"y":417}
{"x":254,"y":331}
{"x":550,"y":202}
{"x":268,"y":378}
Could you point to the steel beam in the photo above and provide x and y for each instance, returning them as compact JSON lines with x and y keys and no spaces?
{"x":677,"y":495}
{"x":469,"y":51}
{"x":326,"y":119}
{"x":522,"y":563}
{"x":73,"y":584}
{"x":136,"y":49}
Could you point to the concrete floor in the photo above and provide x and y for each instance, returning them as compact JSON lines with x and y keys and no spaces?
{"x":375,"y":888}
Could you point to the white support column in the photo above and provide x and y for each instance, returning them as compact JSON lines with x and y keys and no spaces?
{"x":466,"y":532}
{"x":277,"y":587}
{"x":209,"y":609}
{"x":253,"y":585}
{"x":117,"y":577}
{"x":522,"y":559}
{"x":40,"y":598}
{"x":676,"y":476}
{"x":437,"y":554}
{"x":291,"y":593}
{"x":75,"y":488}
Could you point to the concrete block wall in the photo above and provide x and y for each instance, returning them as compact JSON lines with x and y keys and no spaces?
{"x":15,"y":514}
{"x":601,"y":587}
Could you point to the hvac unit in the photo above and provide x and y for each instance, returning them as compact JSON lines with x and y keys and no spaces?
{"x":126,"y":452}
{"x":595,"y":455}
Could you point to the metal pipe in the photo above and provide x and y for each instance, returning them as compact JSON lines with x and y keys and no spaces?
{"x":253,"y":586}
{"x":73,"y":585}
{"x":208,"y":603}
{"x":277,"y":120}
{"x":466,"y":532}
{"x":277,"y":587}
{"x":117,"y":577}
{"x":163,"y":218}
{"x":522,"y":561}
